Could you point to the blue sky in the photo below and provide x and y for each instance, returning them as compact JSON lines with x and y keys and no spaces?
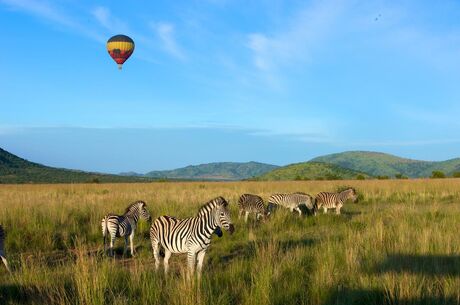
{"x":217,"y":80}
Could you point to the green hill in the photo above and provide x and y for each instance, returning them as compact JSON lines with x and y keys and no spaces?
{"x":215,"y":171}
{"x":381,"y":164}
{"x":312,"y":171}
{"x":14,"y":169}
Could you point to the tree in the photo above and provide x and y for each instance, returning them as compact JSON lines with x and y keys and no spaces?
{"x":360,"y":177}
{"x":437,"y":175}
{"x":456,"y":175}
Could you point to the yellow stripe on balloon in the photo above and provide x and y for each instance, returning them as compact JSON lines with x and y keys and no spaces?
{"x":121,"y":45}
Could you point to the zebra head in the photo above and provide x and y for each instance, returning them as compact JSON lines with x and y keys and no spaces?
{"x":222,"y":216}
{"x":140,"y":207}
{"x":351,"y":194}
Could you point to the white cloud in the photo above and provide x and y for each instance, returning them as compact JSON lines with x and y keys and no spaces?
{"x":166,"y":33}
{"x":50,"y":13}
{"x":108,"y":21}
{"x":297,"y":40}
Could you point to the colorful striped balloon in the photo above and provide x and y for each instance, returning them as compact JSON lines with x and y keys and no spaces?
{"x":120,"y":48}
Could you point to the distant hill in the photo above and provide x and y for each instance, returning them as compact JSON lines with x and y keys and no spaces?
{"x":215,"y":171}
{"x":14,"y":169}
{"x":381,"y":164}
{"x":311,"y":171}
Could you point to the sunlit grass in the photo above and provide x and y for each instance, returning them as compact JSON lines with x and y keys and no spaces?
{"x":399,"y":245}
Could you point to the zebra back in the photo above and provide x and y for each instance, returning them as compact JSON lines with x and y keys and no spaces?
{"x":252,"y":203}
{"x":333,"y":200}
{"x":292,"y":200}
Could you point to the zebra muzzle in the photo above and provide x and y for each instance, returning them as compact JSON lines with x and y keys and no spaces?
{"x":231,"y":229}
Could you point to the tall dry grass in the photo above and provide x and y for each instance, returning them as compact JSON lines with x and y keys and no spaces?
{"x":399,"y":245}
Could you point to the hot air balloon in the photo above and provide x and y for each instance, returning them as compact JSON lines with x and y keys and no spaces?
{"x":120,"y":48}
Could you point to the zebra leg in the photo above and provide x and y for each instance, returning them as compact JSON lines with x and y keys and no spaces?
{"x":325,"y":210}
{"x":298,"y":210}
{"x":166,"y":260}
{"x":126,"y":246}
{"x":6,"y":263}
{"x":131,"y":243}
{"x":337,"y":210}
{"x":156,"y":253}
{"x":240,"y":213}
{"x":112,"y":241}
{"x":199,"y":266}
{"x":246,"y":216}
{"x":191,"y":261}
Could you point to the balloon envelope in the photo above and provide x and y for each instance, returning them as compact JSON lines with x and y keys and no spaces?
{"x":120,"y":48}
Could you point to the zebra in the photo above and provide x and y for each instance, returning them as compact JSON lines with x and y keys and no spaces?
{"x":291,"y":201}
{"x":249,"y":203}
{"x":2,"y":248}
{"x":335,"y":201}
{"x":124,"y":225}
{"x":190,"y":235}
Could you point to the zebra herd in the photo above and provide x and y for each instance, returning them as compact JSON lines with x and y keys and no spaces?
{"x":193,"y":235}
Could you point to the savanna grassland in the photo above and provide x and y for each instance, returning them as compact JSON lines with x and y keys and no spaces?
{"x":400,"y":244}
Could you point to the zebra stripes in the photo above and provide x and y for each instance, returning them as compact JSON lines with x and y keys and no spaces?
{"x":124,"y":225}
{"x":249,"y":203}
{"x":292,"y":201}
{"x":2,"y":248}
{"x":335,"y":201}
{"x":190,"y":235}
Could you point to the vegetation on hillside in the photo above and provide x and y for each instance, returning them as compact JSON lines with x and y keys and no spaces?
{"x":381,"y":164}
{"x":216,"y":171}
{"x":312,"y":171}
{"x":386,"y":249}
{"x":14,"y":169}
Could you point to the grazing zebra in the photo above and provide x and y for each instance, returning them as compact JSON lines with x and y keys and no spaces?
{"x":249,"y":203}
{"x":124,"y":225}
{"x":190,"y":235}
{"x":2,"y":248}
{"x":291,"y":201}
{"x":335,"y":201}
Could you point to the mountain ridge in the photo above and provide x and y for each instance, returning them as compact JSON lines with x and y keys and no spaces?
{"x":383,"y":164}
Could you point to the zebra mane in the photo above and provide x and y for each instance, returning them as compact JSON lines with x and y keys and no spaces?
{"x":212,"y":204}
{"x":134,"y":204}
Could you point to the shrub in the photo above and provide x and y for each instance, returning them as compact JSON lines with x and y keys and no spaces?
{"x":401,"y":176}
{"x":360,"y":177}
{"x":437,"y":175}
{"x":455,"y":175}
{"x":383,"y":177}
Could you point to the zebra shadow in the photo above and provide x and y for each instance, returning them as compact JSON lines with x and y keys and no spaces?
{"x":249,"y":250}
{"x":346,"y":296}
{"x":432,"y":265}
{"x":274,"y":208}
{"x":22,"y":294}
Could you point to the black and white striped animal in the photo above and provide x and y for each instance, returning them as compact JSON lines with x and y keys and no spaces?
{"x":249,"y":203}
{"x":2,"y":248}
{"x":190,"y":235}
{"x":325,"y":200}
{"x":124,"y":225}
{"x":292,"y":201}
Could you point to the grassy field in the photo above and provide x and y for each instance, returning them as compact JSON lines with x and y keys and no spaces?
{"x":400,"y":244}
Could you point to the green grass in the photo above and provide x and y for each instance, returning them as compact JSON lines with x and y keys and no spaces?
{"x":398,"y":245}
